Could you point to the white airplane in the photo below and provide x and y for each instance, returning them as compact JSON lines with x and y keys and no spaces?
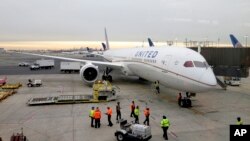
{"x":175,"y":67}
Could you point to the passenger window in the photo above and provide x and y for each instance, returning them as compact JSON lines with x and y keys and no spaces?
{"x":188,"y":64}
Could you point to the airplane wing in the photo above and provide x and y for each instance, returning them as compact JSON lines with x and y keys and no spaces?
{"x":113,"y":65}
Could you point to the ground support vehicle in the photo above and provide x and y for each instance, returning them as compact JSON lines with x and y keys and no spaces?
{"x":18,"y":136}
{"x":34,"y":83}
{"x":34,"y":67}
{"x":68,"y":67}
{"x":4,"y":93}
{"x":42,"y":64}
{"x":11,"y":86}
{"x":130,"y":131}
{"x":101,"y":93}
{"x":23,"y":64}
{"x":233,"y":81}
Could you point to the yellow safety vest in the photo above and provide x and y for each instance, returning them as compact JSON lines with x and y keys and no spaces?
{"x":165,"y":123}
{"x":91,"y":113}
{"x":137,"y":112}
{"x":239,"y":122}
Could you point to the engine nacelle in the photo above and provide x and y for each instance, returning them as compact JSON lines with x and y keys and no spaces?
{"x":89,"y":73}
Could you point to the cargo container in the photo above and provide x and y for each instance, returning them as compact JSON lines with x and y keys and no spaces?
{"x":68,"y":67}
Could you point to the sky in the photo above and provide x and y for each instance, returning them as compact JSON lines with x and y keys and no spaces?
{"x":126,"y":20}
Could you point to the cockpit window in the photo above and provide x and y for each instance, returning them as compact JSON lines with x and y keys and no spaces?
{"x":188,"y":64}
{"x":207,"y":66}
{"x":199,"y":64}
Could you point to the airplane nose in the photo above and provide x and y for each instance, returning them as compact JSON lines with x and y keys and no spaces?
{"x":209,"y":78}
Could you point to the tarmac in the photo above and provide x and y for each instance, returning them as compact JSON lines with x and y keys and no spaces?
{"x":207,"y":120}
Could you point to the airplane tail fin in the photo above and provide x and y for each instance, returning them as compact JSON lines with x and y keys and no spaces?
{"x":234,"y":41}
{"x":104,"y":46}
{"x":106,"y":39}
{"x":151,"y":44}
{"x":88,"y":49}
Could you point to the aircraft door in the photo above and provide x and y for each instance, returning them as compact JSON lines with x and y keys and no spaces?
{"x":166,"y":61}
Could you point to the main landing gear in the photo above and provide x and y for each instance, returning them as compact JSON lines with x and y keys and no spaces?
{"x":106,"y":75}
{"x":186,"y":101}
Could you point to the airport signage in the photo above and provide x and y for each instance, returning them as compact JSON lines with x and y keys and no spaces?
{"x":239,"y":132}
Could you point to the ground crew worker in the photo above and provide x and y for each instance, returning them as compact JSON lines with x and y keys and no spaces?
{"x":239,"y":121}
{"x":136,"y":114}
{"x":132,"y":109}
{"x":109,"y":114}
{"x":97,"y":116}
{"x":91,"y":115}
{"x":165,"y":125}
{"x":118,"y":112}
{"x":179,"y":98}
{"x":146,"y":113}
{"x":157,"y":87}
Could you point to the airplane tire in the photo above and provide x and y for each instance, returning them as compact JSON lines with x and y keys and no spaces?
{"x":182,"y":103}
{"x":189,"y":103}
{"x":186,"y":103}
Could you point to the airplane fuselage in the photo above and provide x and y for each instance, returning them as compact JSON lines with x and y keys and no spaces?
{"x":176,"y":67}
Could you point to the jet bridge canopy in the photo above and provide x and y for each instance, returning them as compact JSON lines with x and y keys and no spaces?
{"x":227,"y":61}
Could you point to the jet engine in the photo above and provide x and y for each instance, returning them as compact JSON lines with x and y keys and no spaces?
{"x":89,"y":73}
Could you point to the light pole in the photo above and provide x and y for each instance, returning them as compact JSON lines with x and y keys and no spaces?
{"x":218,"y":42}
{"x":205,"y":42}
{"x":246,"y":36}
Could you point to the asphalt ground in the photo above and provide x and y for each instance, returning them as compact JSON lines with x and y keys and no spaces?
{"x":9,"y":64}
{"x":207,"y":120}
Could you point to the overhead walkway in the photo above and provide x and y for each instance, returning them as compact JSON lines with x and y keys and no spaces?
{"x":226,"y":61}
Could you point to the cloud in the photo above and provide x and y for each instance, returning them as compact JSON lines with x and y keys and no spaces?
{"x":247,"y":24}
{"x":184,"y":20}
{"x":203,"y":21}
{"x":208,"y":22}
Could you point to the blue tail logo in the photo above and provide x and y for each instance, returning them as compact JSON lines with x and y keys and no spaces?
{"x":151,"y":44}
{"x":104,"y":46}
{"x":234,"y":41}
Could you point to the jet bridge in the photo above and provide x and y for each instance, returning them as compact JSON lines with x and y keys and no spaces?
{"x":225,"y":61}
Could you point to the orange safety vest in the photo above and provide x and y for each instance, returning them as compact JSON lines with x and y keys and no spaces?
{"x":97,"y":114}
{"x":132,"y":106}
{"x":109,"y":112}
{"x":146,"y":112}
